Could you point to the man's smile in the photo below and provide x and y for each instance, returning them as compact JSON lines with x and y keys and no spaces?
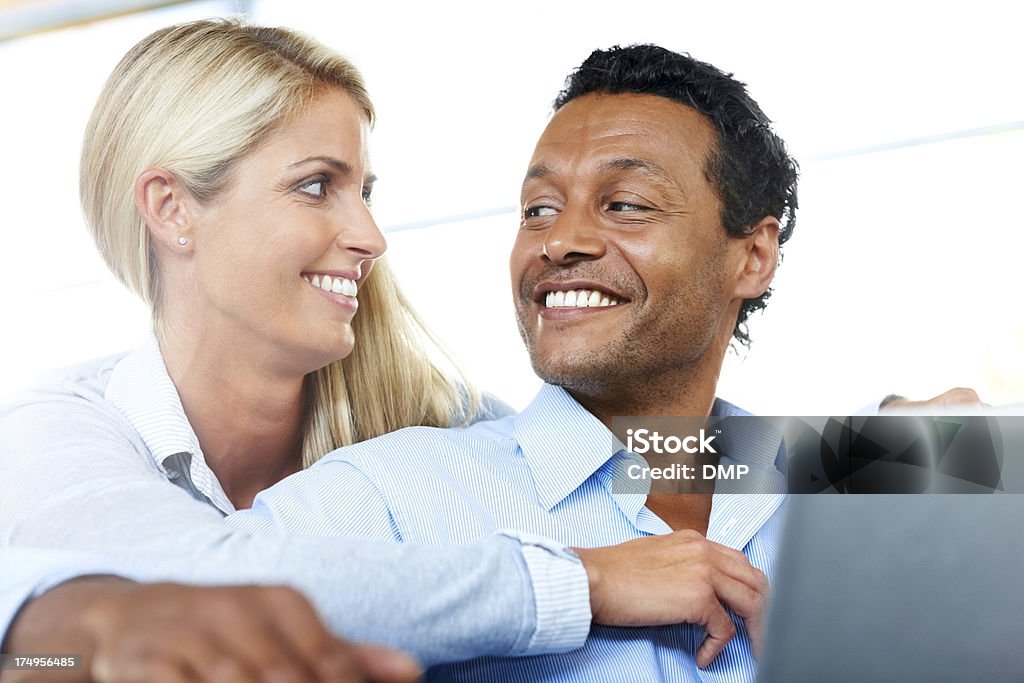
{"x":580,"y":298}
{"x":565,"y":299}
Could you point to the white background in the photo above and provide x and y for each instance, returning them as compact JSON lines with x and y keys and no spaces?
{"x":903,"y":276}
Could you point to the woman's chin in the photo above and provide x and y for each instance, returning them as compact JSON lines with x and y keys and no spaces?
{"x":330,"y":351}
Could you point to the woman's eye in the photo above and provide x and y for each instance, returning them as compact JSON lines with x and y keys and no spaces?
{"x":539,"y":211}
{"x":315,"y":188}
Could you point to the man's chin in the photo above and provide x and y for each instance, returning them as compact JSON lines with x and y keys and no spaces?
{"x":570,"y":370}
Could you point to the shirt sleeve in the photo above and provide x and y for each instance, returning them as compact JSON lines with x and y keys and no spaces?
{"x":28,"y":573}
{"x":73,"y":478}
{"x":337,"y":498}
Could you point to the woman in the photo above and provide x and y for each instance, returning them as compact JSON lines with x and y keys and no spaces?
{"x":225,"y":180}
{"x":228,"y":271}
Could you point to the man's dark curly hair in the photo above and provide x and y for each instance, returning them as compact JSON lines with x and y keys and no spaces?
{"x":751,"y":170}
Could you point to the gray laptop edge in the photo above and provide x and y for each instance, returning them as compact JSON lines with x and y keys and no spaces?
{"x":901,"y":588}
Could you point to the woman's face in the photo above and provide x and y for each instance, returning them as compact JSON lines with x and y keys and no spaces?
{"x":279,"y":255}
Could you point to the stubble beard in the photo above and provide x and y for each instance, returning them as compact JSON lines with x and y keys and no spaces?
{"x":636,"y":368}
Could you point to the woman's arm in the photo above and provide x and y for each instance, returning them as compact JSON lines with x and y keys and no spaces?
{"x":72,"y":477}
{"x":91,"y":627}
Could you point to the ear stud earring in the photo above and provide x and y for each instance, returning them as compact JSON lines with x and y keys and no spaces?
{"x":182,"y":241}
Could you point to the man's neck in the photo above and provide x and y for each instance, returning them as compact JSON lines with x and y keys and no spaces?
{"x":690,"y":394}
{"x":682,"y":510}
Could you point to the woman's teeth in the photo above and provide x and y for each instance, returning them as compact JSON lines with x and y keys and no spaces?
{"x":580,"y":298}
{"x":338,"y":285}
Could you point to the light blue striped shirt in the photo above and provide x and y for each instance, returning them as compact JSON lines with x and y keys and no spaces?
{"x":101,"y":458}
{"x":546,"y":471}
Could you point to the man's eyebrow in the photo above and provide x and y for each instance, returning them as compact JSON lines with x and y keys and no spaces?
{"x":536,"y":171}
{"x":645,"y":166}
{"x":340,"y":166}
{"x":654,"y":171}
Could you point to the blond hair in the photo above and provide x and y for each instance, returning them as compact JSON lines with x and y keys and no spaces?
{"x":195,"y":99}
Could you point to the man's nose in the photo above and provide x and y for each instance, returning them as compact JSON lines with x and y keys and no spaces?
{"x":574,"y":236}
{"x":362,"y":237}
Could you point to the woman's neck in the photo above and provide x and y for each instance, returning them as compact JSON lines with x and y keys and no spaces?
{"x":249,"y":419}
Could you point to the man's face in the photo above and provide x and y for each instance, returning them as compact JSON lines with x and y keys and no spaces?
{"x":617,"y":210}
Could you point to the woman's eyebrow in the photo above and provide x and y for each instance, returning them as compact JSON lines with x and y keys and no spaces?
{"x":340,"y":166}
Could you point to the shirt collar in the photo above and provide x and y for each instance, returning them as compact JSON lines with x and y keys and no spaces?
{"x":750,"y":441}
{"x":562,"y":442}
{"x":736,"y":517}
{"x":142,"y":390}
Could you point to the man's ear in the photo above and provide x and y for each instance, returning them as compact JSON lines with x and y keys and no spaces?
{"x":761,"y":259}
{"x":164,"y":205}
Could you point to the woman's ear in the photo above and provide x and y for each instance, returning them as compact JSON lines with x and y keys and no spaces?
{"x":163,"y":203}
{"x":762,"y":258}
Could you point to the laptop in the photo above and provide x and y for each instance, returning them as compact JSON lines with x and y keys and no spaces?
{"x":908,"y":588}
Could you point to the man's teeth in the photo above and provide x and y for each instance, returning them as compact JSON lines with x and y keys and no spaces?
{"x":337,"y":285}
{"x":579,"y":298}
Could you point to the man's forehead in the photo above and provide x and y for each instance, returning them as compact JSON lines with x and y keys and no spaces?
{"x":624,"y":132}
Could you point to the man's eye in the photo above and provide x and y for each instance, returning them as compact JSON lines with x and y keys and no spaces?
{"x":367,"y":195}
{"x":539,"y":211}
{"x":627,"y":206}
{"x":316,"y":187}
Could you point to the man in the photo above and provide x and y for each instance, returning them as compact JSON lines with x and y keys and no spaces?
{"x":653,"y":212}
{"x":60,"y":604}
